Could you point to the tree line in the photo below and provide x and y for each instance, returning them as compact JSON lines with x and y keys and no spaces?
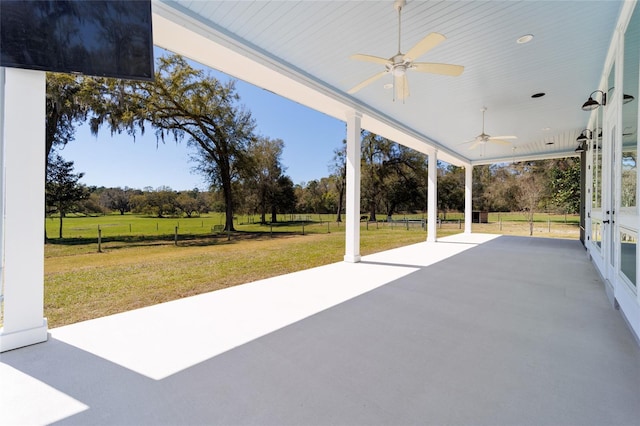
{"x":245,"y":170}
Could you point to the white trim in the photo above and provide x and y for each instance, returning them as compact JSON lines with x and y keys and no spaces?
{"x":24,"y":136}
{"x":468,"y":198}
{"x":352,"y":220}
{"x":432,"y":197}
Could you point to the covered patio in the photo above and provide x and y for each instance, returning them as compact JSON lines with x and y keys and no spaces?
{"x":471,"y":329}
{"x":474,"y":329}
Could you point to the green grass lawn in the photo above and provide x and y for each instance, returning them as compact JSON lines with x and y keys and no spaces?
{"x":141,"y":265}
{"x":140,"y":269}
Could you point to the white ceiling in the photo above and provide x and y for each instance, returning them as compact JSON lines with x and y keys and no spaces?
{"x":301,"y":49}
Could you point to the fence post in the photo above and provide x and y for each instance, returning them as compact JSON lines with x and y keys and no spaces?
{"x":156,"y":226}
{"x":549,"y":223}
{"x":459,"y":224}
{"x":302,"y":228}
{"x":271,"y":230}
{"x":407,"y":222}
{"x":129,"y":228}
{"x":175,"y":236}
{"x":99,"y":239}
{"x":328,"y":230}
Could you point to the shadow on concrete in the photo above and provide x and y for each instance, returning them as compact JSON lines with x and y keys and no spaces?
{"x":515,"y":331}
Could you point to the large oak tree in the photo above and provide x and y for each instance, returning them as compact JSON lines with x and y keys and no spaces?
{"x":185,"y":103}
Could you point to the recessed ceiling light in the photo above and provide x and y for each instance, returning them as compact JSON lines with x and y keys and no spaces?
{"x":546,"y":129}
{"x":525,"y":39}
{"x":538,"y":95}
{"x":388,"y":86}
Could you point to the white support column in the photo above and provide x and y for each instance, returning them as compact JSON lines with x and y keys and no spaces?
{"x":468,"y":197}
{"x":432,"y":197}
{"x":23,"y":107}
{"x":352,"y":221}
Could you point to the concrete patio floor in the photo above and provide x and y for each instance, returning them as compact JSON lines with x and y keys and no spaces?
{"x":474,"y":329}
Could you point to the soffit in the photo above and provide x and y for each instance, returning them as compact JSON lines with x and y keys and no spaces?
{"x":301,"y":49}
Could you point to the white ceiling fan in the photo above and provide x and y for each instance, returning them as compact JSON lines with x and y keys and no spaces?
{"x":483,"y":138}
{"x":400,"y":63}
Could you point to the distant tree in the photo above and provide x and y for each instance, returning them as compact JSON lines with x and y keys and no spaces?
{"x":117,"y":199}
{"x":262,"y":170}
{"x":375,"y":152}
{"x":451,"y":189}
{"x":284,"y":197}
{"x":92,"y":204}
{"x":63,"y":191}
{"x":310,"y":197}
{"x":531,"y":183}
{"x":162,"y":201}
{"x":564,"y":184}
{"x":188,"y":203}
{"x":404,"y":179}
{"x":338,"y":169}
{"x":183,"y":102}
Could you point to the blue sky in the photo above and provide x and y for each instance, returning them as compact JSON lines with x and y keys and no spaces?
{"x":309,"y":141}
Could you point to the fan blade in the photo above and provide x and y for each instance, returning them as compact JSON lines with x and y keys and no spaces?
{"x":476,"y":143}
{"x":499,"y":141}
{"x":503,"y":137}
{"x":423,"y":46}
{"x":370,"y":58}
{"x":366,"y":82}
{"x":444,"y":69}
{"x":401,"y":84}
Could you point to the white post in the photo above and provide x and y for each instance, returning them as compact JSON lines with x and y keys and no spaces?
{"x":468,"y":197}
{"x":24,"y":174}
{"x":352,"y":221}
{"x":432,"y":197}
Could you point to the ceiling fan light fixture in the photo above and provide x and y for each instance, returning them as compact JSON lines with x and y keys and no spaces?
{"x":398,"y":64}
{"x":399,"y":70}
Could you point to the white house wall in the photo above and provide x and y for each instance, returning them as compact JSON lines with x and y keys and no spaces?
{"x":607,"y":253}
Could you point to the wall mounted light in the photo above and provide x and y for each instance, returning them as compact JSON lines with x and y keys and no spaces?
{"x":592,"y":104}
{"x":580,"y":149}
{"x":627,"y":98}
{"x":583,"y":136}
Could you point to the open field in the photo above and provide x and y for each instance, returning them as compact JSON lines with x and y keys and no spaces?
{"x":141,"y":265}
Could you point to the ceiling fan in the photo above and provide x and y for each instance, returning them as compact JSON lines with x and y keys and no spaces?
{"x":400,"y":63}
{"x":483,"y":138}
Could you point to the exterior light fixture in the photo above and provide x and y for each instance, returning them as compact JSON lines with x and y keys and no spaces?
{"x":580,"y":149}
{"x":627,"y":98}
{"x":592,"y":104}
{"x":583,"y":136}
